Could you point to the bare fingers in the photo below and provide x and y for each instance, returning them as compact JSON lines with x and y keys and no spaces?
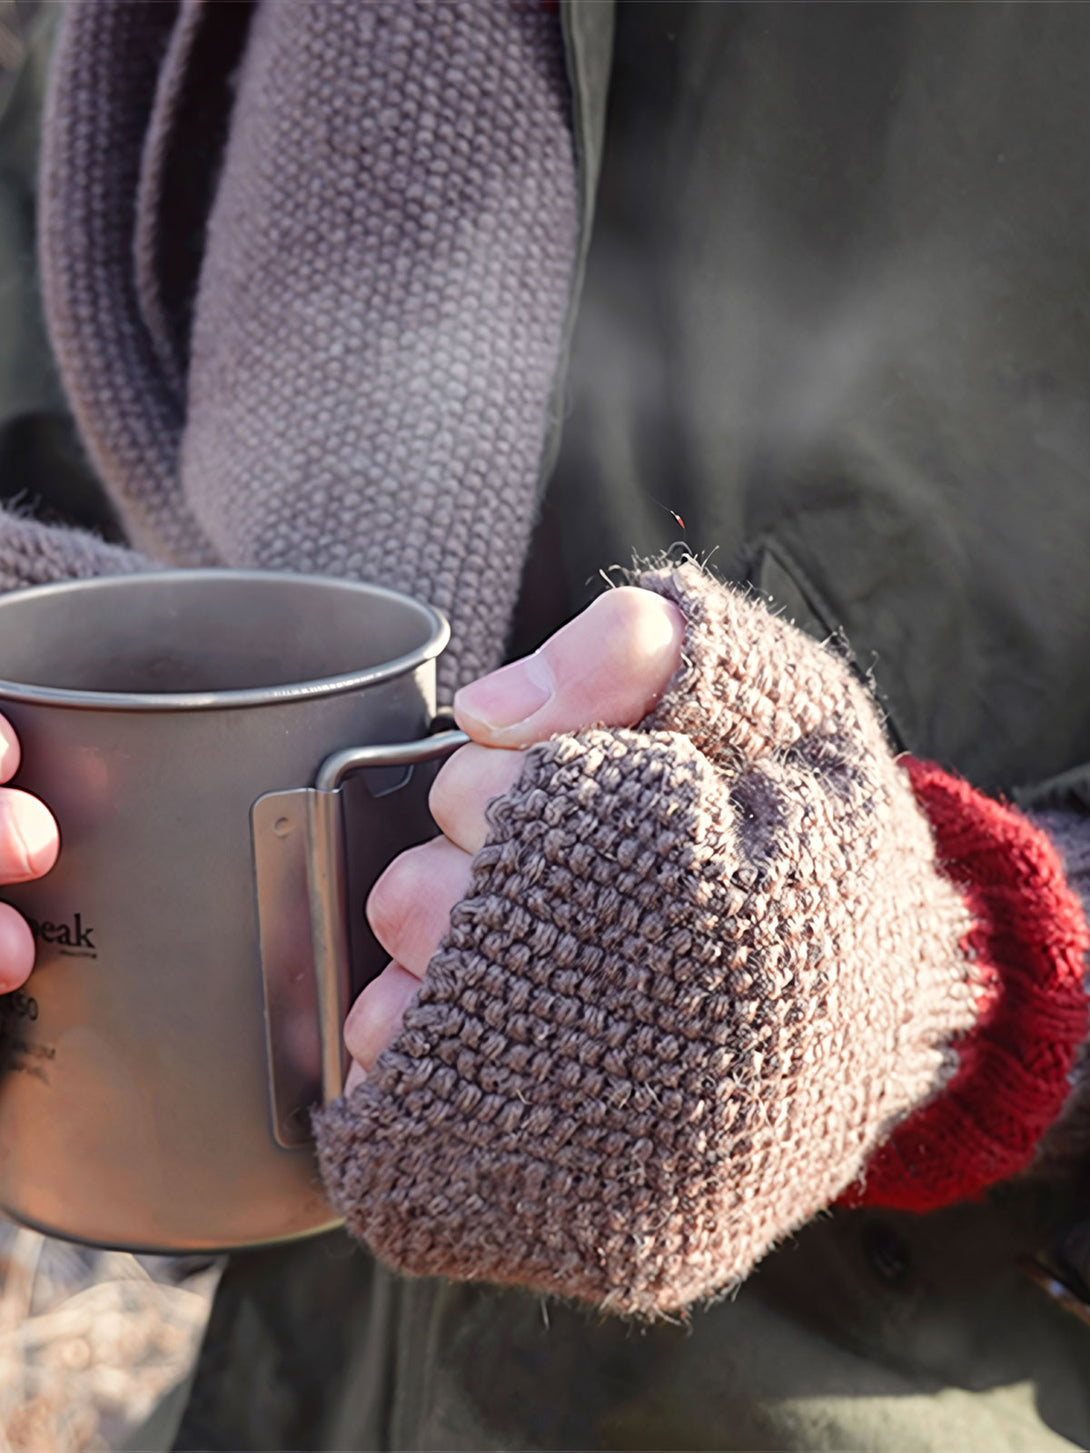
{"x":29,"y":843}
{"x":16,"y":949}
{"x":608,"y":666}
{"x":376,"y":1016}
{"x":469,"y":780}
{"x":409,"y":907}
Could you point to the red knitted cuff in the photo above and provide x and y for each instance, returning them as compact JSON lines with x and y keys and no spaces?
{"x":1028,"y":943}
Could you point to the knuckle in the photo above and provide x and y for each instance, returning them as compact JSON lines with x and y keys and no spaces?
{"x":633,"y":619}
{"x":472,"y":778}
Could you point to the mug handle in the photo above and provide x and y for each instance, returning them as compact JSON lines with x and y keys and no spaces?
{"x":301,"y":895}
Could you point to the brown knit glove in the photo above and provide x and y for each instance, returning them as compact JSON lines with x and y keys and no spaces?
{"x":703,"y":969}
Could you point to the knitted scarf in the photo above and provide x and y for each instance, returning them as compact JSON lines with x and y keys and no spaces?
{"x":307,"y":268}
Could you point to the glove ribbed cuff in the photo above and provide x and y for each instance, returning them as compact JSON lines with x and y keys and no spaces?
{"x":1029,"y":940}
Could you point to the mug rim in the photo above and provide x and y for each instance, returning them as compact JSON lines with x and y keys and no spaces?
{"x":309,"y":690}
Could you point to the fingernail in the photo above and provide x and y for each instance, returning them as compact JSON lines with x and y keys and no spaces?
{"x":510,"y":695}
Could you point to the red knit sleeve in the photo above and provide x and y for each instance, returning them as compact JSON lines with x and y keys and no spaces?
{"x":1029,"y":941}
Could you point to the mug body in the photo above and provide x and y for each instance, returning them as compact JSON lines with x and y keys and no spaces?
{"x":152,"y":712}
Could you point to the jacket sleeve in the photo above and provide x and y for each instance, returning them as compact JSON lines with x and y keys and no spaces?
{"x":1017,"y":1061}
{"x":1064,"y":1149}
{"x":706,"y":972}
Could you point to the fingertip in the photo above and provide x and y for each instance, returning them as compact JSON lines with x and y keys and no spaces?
{"x":10,"y":751}
{"x":29,"y":838}
{"x":16,"y":949}
{"x":375,"y":1017}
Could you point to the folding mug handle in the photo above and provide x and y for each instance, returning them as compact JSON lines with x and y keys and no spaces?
{"x":301,"y":895}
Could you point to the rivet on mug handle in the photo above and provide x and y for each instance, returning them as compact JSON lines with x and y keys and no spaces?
{"x":300,"y":880}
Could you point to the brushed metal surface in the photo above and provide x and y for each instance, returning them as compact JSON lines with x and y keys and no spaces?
{"x":134,"y":1079}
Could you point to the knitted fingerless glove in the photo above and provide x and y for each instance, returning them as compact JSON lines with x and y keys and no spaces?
{"x":704,"y":970}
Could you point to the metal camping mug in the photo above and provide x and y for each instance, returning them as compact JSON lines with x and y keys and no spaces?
{"x":229,"y":756}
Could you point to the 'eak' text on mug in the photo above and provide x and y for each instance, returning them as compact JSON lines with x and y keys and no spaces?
{"x":73,"y":937}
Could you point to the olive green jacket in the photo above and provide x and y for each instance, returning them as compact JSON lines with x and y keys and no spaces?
{"x":834,"y":326}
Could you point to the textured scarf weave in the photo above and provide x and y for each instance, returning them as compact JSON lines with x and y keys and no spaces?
{"x":306,"y":273}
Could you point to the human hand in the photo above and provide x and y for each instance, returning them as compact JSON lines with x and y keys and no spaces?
{"x":607,"y":667}
{"x":29,"y":843}
{"x":706,"y":974}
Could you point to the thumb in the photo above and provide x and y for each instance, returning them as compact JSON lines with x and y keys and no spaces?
{"x":607,"y":667}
